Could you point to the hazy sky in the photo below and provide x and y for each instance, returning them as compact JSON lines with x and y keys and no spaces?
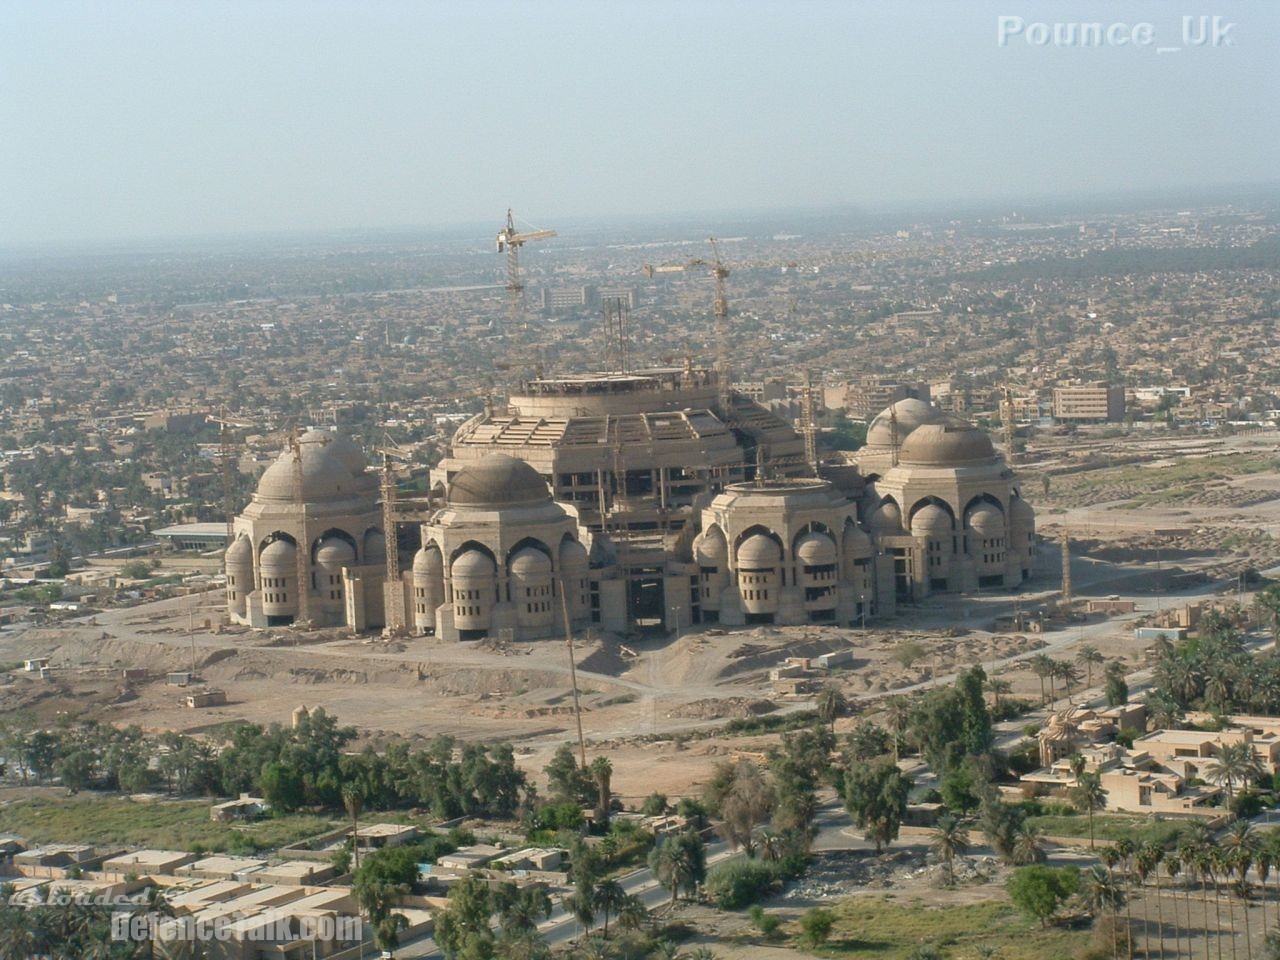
{"x":136,"y":119}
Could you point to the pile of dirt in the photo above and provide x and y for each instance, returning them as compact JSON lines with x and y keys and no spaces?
{"x":737,"y":708}
{"x":841,"y":873}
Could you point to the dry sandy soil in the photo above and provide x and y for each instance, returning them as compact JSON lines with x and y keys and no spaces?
{"x":637,"y":697}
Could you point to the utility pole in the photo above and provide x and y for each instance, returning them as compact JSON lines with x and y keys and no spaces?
{"x":1066,"y":570}
{"x":573,"y":674}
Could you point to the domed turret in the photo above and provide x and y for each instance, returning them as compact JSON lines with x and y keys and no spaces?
{"x":816,"y":550}
{"x":759,"y":551}
{"x":428,"y":561}
{"x":474,"y":592}
{"x":710,"y":548}
{"x":428,"y":587}
{"x":335,"y":552}
{"x":278,"y":563}
{"x":530,"y":562}
{"x":886,"y":520}
{"x":531,"y":588}
{"x":931,"y":521}
{"x":239,"y":571}
{"x":857,"y":545}
{"x":279,"y":555}
{"x":987,"y":521}
{"x":375,"y":547}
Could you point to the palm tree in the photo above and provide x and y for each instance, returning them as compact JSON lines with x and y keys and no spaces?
{"x":1235,"y":763}
{"x":386,"y":935}
{"x":633,"y":914}
{"x":1064,"y":671}
{"x":1173,"y":867}
{"x":1126,"y":848}
{"x":1267,"y":603}
{"x":608,"y":897}
{"x":1263,"y":862}
{"x":998,"y":687}
{"x":770,"y":844}
{"x":897,"y":718}
{"x":1028,"y":844}
{"x":353,"y":800}
{"x":949,"y":839}
{"x":1089,"y":796}
{"x":1147,"y":863}
{"x":1209,"y":868}
{"x":1100,"y":894}
{"x":831,"y":704}
{"x":1089,"y":657}
{"x":1241,"y":860}
{"x":602,"y":773}
{"x":1042,"y":666}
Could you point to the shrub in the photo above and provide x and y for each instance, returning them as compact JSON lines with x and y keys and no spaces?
{"x":816,"y":926}
{"x":739,"y":883}
{"x":765,"y":923}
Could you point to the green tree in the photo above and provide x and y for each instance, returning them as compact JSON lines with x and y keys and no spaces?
{"x":566,"y":780}
{"x":1088,"y":656}
{"x":831,"y":705}
{"x":601,"y":775}
{"x":875,"y":795}
{"x":949,"y":839}
{"x":816,"y":925}
{"x":282,"y":786}
{"x":1116,"y":688}
{"x":1089,"y":797}
{"x":1038,"y":891}
{"x":1234,"y":764}
{"x":462,"y":928}
{"x":680,"y":864}
{"x":609,"y":898}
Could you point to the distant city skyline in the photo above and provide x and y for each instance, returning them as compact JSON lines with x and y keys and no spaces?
{"x":150,"y":120}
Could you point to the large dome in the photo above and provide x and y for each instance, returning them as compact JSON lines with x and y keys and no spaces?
{"x":340,"y":446}
{"x":910,"y":413}
{"x":324,"y":477}
{"x":758,"y":551}
{"x":948,"y":444}
{"x":497,"y":481}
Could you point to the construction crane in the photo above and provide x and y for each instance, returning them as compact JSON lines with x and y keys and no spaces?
{"x":720,"y":273}
{"x":226,"y":455}
{"x":393,"y":606}
{"x":1006,"y":420}
{"x":510,"y":241}
{"x":302,"y":547}
{"x":810,"y":427}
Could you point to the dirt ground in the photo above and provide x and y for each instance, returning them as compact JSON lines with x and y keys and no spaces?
{"x":1133,"y":533}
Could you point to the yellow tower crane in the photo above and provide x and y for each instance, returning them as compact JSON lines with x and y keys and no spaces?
{"x":510,"y":241}
{"x":226,"y":461}
{"x":720,"y":273}
{"x":392,"y":592}
{"x":302,"y":546}
{"x":810,"y":426}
